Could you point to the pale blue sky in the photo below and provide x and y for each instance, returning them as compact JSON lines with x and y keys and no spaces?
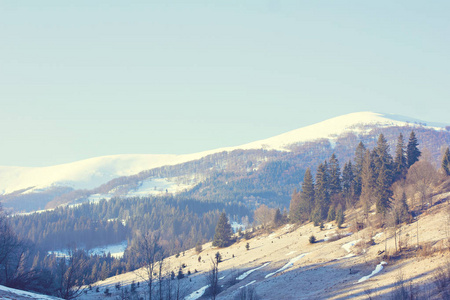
{"x":80,"y":79}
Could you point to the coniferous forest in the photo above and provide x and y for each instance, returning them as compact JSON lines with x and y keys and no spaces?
{"x":26,"y":239}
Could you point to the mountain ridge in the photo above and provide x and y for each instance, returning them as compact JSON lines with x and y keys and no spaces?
{"x":93,"y":173}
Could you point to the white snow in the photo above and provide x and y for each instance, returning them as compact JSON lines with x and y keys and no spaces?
{"x":244,"y":275}
{"x":292,"y":252}
{"x":377,"y":235}
{"x":287,"y":266}
{"x":197,"y":294}
{"x":158,"y":186}
{"x":90,"y":173}
{"x":348,"y":245}
{"x":377,"y":270}
{"x":250,"y":283}
{"x":116,"y":250}
{"x":235,"y":226}
{"x":14,"y":292}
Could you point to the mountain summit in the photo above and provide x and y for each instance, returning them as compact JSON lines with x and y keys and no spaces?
{"x":27,"y":182}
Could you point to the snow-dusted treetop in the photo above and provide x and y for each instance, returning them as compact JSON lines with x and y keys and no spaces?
{"x":93,"y":172}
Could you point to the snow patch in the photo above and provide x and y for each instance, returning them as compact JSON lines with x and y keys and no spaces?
{"x":21,"y":293}
{"x":348,"y":245}
{"x":116,"y":250}
{"x":377,"y":235}
{"x":292,"y":252}
{"x":251,"y":282}
{"x":377,"y":270}
{"x":197,"y":294}
{"x":287,"y":266}
{"x":244,"y":275}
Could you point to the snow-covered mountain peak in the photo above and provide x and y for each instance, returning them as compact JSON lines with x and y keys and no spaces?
{"x":91,"y":173}
{"x":358,"y":123}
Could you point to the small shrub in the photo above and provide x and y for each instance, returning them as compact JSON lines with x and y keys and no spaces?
{"x":199,"y":258}
{"x":312,"y":239}
{"x":247,"y":246}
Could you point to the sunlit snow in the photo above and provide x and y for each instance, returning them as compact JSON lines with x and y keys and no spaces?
{"x":287,"y":266}
{"x":377,"y":270}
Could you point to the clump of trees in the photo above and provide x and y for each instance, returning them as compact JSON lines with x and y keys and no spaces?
{"x":365,"y":180}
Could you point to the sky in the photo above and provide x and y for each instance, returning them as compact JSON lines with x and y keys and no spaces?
{"x":81,"y":79}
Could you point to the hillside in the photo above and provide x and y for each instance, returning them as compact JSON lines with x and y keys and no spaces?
{"x":261,"y":171}
{"x":14,"y":294}
{"x":282,"y":264}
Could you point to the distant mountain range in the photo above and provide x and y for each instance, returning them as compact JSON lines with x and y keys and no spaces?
{"x":264,"y":171}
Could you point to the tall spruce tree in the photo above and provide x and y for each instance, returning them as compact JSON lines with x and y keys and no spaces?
{"x":348,"y":183}
{"x":359,"y":161}
{"x":382,"y":157}
{"x":222,"y":237}
{"x":383,"y":193}
{"x":367,"y":182}
{"x":321,"y":193}
{"x":340,"y":216}
{"x":335,"y":176}
{"x":307,"y":193}
{"x":412,"y":152}
{"x":400,"y":166}
{"x":446,"y":162}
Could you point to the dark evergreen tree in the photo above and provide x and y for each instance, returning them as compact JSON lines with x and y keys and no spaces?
{"x":359,"y":161}
{"x":401,"y":210}
{"x":321,"y":194}
{"x":307,"y":193}
{"x":383,"y":192}
{"x":367,"y":182}
{"x":348,"y":183}
{"x":446,"y":162}
{"x":331,"y":214}
{"x":382,"y":157}
{"x":277,"y":217}
{"x":412,"y":152}
{"x":222,"y":237}
{"x":400,"y":166}
{"x":340,"y":216}
{"x":335,"y":176}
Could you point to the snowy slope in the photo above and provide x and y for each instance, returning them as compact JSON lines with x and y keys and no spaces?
{"x":90,"y":173}
{"x":14,"y":294}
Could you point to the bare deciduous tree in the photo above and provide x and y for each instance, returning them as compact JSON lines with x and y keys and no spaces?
{"x":421,"y":176}
{"x":264,"y":215}
{"x":213,"y":278}
{"x":147,"y":249}
{"x":70,"y":274}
